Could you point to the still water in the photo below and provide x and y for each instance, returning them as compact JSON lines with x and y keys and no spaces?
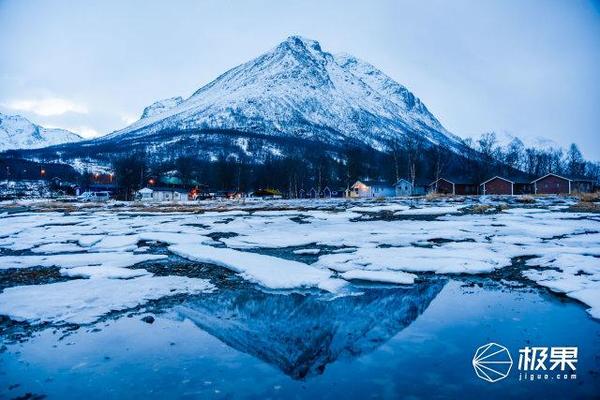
{"x":242,"y":342}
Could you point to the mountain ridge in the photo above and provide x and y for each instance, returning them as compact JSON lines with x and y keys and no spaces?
{"x":290,"y":101}
{"x":298,"y":90}
{"x":17,"y":132}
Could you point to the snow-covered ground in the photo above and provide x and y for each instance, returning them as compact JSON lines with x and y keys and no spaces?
{"x":288,"y":245}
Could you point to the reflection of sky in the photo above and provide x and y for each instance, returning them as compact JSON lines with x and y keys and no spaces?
{"x":174,"y":358}
{"x":528,"y":68}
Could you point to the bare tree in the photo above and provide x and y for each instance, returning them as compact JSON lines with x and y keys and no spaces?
{"x":514,"y":154}
{"x":575,"y":163}
{"x":413,"y":150}
{"x":441,"y":162}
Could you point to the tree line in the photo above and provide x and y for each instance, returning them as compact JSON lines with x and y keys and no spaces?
{"x":532,"y":161}
{"x":304,"y":167}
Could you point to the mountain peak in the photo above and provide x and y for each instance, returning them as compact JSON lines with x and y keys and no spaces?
{"x":302,"y":48}
{"x":17,"y":132}
{"x":307,"y":43}
{"x":297,"y":90}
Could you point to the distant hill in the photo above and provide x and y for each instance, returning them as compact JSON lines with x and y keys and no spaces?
{"x":17,"y":132}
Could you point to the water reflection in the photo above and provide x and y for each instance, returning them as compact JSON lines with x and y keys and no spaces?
{"x":302,"y":333}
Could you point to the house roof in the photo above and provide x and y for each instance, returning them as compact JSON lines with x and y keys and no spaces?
{"x":370,"y":182}
{"x":403,"y":180}
{"x":513,"y":177}
{"x":166,"y":189}
{"x":457,"y":180}
{"x":550,"y":174}
{"x":145,"y":190}
{"x":581,"y":179}
{"x":499,"y":177}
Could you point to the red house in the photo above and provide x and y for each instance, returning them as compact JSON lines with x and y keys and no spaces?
{"x":507,"y":185}
{"x":552,"y":184}
{"x":442,"y":186}
{"x":454,"y":186}
{"x":497,"y":185}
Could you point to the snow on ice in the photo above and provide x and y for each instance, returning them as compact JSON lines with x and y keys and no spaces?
{"x":84,"y":301}
{"x":393,"y":243}
{"x":271,"y":272}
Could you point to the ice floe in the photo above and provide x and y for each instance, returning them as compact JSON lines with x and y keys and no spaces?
{"x":576,"y":275}
{"x":380,"y":276}
{"x":83,"y":301}
{"x":268,"y":271}
{"x":108,"y":259}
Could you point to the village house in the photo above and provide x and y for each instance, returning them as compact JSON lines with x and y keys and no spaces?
{"x":552,"y":184}
{"x":326,"y":193}
{"x":506,"y":185}
{"x":456,"y":186}
{"x":582,"y":185}
{"x":497,"y":185}
{"x":442,"y":186}
{"x":404,"y":188}
{"x":371,"y":189}
{"x":161,"y":194}
{"x":144,"y":194}
{"x":558,"y":184}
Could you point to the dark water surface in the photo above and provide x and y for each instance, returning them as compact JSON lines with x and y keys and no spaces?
{"x":413,"y":342}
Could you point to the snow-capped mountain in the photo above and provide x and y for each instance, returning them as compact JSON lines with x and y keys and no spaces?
{"x":17,"y":132}
{"x":538,"y":142}
{"x":299,"y":91}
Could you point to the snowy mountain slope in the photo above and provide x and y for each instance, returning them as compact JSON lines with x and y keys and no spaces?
{"x":299,"y":91}
{"x":161,"y":106}
{"x":17,"y":132}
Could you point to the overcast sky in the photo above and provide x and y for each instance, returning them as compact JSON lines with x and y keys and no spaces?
{"x":528,"y":68}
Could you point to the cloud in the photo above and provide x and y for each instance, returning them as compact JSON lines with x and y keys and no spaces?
{"x":86,"y":132}
{"x":83,"y":131}
{"x":46,"y":107}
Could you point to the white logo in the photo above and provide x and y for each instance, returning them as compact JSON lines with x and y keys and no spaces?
{"x":492,"y":362}
{"x":548,"y":363}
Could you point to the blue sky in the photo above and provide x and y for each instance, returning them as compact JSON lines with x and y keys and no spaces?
{"x":529,"y":68}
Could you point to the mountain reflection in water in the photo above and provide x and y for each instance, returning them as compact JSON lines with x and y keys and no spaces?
{"x":300,"y":333}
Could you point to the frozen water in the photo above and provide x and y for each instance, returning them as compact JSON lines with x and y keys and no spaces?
{"x":563,"y":248}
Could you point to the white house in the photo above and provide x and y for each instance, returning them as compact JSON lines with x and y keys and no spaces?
{"x":404,"y":188}
{"x":144,"y":194}
{"x":372,"y":189}
{"x":162,"y":194}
